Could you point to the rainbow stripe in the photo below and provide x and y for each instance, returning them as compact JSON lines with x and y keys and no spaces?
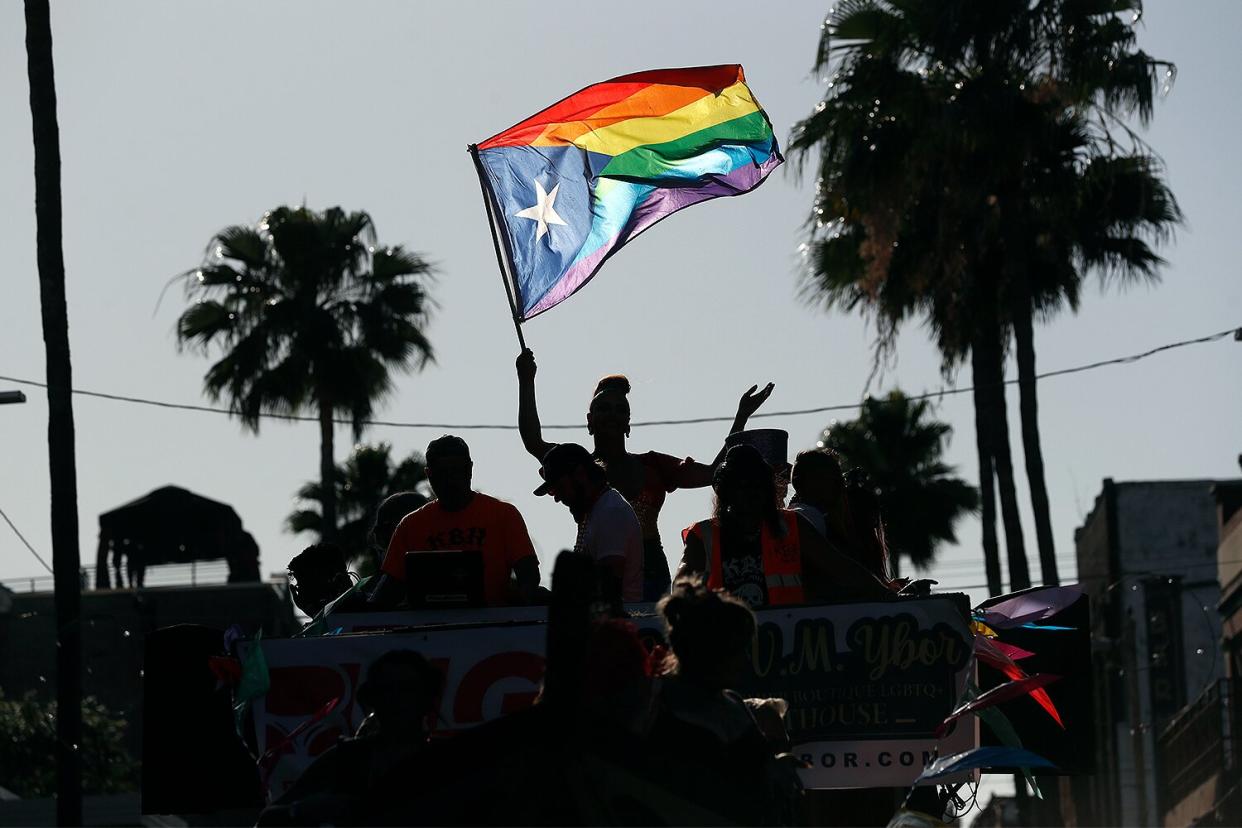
{"x":572,"y":184}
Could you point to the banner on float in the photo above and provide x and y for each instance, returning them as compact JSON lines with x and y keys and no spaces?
{"x":866,"y":684}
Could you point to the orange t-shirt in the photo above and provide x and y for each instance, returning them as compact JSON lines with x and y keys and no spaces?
{"x":492,"y":527}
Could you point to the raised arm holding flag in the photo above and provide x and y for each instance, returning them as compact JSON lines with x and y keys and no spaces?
{"x":642,"y":479}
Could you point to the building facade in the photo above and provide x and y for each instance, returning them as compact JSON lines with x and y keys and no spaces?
{"x":1147,"y":557}
{"x":1202,"y":779}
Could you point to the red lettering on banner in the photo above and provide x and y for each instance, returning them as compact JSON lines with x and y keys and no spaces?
{"x":468,"y":706}
{"x":301,"y":691}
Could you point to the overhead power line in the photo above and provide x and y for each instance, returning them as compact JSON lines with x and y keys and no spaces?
{"x":1214,"y":564}
{"x":944,"y":392}
{"x":22,"y":538}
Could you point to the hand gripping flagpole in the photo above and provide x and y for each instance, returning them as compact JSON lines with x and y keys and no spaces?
{"x":504,"y":257}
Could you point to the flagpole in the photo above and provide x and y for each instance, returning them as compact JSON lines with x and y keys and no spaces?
{"x":501,"y":258}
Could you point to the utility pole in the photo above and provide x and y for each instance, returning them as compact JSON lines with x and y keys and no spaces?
{"x":60,"y":433}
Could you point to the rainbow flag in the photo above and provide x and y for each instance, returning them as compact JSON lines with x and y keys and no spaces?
{"x":566,"y":188}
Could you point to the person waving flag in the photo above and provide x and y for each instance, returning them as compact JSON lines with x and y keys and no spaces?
{"x":567,"y":187}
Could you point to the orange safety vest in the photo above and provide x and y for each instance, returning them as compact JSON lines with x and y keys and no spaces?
{"x":782,"y":558}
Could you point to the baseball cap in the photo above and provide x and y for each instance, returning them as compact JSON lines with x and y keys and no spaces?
{"x":559,"y":461}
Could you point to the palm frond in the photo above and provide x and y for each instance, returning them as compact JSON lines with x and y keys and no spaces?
{"x":204,"y":322}
{"x":899,"y":445}
{"x":304,"y":520}
{"x":391,"y":263}
{"x":245,"y":245}
{"x":363,"y":481}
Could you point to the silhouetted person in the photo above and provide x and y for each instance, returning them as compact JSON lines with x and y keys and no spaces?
{"x":819,"y":494}
{"x":608,"y":530}
{"x":461,"y":518}
{"x":765,"y":555}
{"x":193,"y":759}
{"x":118,"y":559}
{"x":136,"y":568}
{"x":388,"y":517}
{"x":358,"y":597}
{"x":346,"y":785}
{"x":867,"y":521}
{"x":526,"y":767}
{"x":773,"y":446}
{"x":642,"y":479}
{"x":316,"y":576}
{"x":705,"y":743}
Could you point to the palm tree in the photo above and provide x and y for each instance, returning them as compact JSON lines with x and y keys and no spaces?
{"x":973,"y":168}
{"x":900,"y":447}
{"x":310,"y":315}
{"x":363,"y":482}
{"x":62,"y":467}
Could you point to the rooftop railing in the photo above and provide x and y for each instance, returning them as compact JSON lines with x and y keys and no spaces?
{"x":196,"y":573}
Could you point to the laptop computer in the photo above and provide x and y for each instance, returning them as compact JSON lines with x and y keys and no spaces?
{"x":446,"y":579}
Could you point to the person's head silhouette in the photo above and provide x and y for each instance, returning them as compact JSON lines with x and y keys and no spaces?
{"x":709,"y":632}
{"x":609,"y":411}
{"x":450,"y":471}
{"x":745,"y":487}
{"x":389,"y":515}
{"x":817,"y":479}
{"x":402,"y":691}
{"x":316,"y":576}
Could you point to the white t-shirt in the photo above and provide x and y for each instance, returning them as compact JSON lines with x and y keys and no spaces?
{"x":611,"y":530}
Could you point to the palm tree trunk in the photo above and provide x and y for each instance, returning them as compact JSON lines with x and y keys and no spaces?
{"x":1024,"y":338}
{"x":60,"y":432}
{"x":998,"y":424}
{"x":327,"y":470}
{"x":987,"y":495}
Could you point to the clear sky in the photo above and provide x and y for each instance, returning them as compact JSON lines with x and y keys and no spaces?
{"x":179,"y":119}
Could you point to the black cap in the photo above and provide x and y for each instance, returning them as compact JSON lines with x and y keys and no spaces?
{"x":559,"y":461}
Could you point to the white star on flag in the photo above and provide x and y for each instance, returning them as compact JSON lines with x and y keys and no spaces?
{"x":542,"y":210}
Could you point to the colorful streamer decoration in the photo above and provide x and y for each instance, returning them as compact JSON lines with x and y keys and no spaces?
{"x":1012,"y":652}
{"x":982,"y":758}
{"x":1003,"y":728}
{"x":996,"y":653}
{"x":1039,"y":694}
{"x":255,"y":680}
{"x":1029,"y":607}
{"x":1000,"y":693}
{"x":981,"y":629}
